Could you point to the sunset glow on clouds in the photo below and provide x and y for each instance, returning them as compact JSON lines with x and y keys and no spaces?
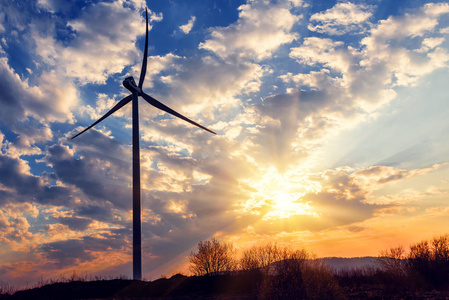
{"x":331,"y":121}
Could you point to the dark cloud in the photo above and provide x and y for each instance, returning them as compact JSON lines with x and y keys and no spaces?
{"x":75,"y":223}
{"x":24,"y":187}
{"x":13,"y":175}
{"x":70,"y":252}
{"x":12,"y":95}
{"x":46,"y":103}
{"x":100,"y":173}
{"x":96,"y":211}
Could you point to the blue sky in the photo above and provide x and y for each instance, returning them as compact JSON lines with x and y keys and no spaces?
{"x":331,"y":121}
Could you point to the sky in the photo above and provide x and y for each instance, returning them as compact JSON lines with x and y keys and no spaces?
{"x":331,"y":121}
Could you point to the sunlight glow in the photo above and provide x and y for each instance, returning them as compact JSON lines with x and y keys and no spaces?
{"x":278,"y":196}
{"x":285,"y":205}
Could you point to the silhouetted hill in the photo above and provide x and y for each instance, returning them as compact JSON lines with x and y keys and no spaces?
{"x":251,"y":285}
{"x":360,"y":279}
{"x":176,"y":287}
{"x":343,"y":263}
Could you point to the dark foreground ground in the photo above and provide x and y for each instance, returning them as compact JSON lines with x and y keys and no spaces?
{"x":242,"y":286}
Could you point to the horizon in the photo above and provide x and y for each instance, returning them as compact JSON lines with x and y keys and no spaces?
{"x":331,"y":122}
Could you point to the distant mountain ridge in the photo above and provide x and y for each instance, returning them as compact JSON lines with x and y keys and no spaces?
{"x":348,"y":263}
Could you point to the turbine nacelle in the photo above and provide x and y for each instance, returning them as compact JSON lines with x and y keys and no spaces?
{"x":131,"y":85}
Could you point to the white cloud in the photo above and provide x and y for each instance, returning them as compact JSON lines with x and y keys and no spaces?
{"x":405,"y":26}
{"x":404,"y":65}
{"x":436,"y":9}
{"x":432,"y":42}
{"x":2,"y":18}
{"x":201,"y":85}
{"x":262,"y":27}
{"x":187,"y":27}
{"x":333,"y":55}
{"x":348,"y":83}
{"x":54,"y":5}
{"x":344,"y":17}
{"x":103,"y":43}
{"x":51,"y":100}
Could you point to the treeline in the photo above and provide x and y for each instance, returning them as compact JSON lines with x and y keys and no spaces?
{"x":285,"y":273}
{"x":425,"y":264}
{"x":271,"y":271}
{"x":277,"y":272}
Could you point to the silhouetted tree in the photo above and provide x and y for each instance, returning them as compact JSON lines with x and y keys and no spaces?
{"x":427,"y":263}
{"x":431,"y":260}
{"x":393,"y":261}
{"x":260,"y":257}
{"x":213,"y":257}
{"x":297,"y":274}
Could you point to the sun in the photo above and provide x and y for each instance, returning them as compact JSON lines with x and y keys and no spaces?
{"x":284,"y":205}
{"x":279,"y":196}
{"x":285,"y":202}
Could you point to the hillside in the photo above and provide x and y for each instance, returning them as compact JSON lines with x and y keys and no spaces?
{"x":343,"y":263}
{"x":337,"y":278}
{"x":238,"y":287}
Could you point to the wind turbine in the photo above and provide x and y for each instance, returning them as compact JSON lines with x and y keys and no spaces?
{"x":137,"y":91}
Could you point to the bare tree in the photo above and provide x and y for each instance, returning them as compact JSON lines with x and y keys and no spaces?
{"x":291,"y":262}
{"x":431,"y":260}
{"x":393,"y":261}
{"x":426,"y":262}
{"x":213,"y":257}
{"x":260,"y":257}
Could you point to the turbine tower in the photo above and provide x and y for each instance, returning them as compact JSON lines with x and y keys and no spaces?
{"x":136,"y":91}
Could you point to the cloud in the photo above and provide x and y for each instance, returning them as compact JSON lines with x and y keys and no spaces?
{"x":344,"y":17}
{"x":91,"y":62}
{"x":15,"y":229}
{"x":101,"y":176}
{"x":325,"y":200}
{"x":261,"y":28}
{"x":54,"y":5}
{"x":199,"y":86}
{"x":386,"y":56}
{"x":75,"y":223}
{"x":17,"y":184}
{"x":75,"y":251}
{"x":49,"y":101}
{"x":31,"y":134}
{"x":379,"y":175}
{"x":102,"y":42}
{"x":331,"y":54}
{"x":187,"y":27}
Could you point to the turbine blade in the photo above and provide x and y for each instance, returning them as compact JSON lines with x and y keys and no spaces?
{"x":145,"y":55}
{"x":119,"y":105}
{"x":167,"y":109}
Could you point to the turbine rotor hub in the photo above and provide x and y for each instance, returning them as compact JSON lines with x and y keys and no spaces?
{"x":131,"y":85}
